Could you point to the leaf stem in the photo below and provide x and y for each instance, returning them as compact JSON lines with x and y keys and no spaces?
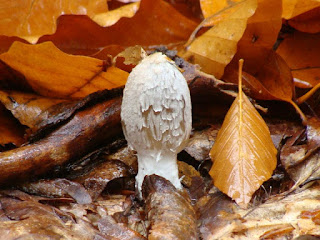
{"x":306,"y":96}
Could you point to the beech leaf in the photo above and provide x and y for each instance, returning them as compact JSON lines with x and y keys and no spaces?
{"x":292,"y":8}
{"x":243,"y":154}
{"x":214,"y":49}
{"x":53,"y":73}
{"x":30,"y":20}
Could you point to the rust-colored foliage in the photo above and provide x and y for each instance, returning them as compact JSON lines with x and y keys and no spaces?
{"x":30,"y":20}
{"x":51,"y":128}
{"x":243,"y":154}
{"x":73,"y":76}
{"x":214,"y":49}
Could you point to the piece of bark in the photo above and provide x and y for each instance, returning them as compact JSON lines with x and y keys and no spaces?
{"x":88,"y":129}
{"x":171,"y":214}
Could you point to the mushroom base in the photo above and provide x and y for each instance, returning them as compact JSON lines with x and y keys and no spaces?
{"x":165,"y":166}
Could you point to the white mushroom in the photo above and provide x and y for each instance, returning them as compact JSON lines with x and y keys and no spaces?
{"x":156,"y":117}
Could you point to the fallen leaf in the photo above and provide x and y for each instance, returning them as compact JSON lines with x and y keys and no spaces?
{"x":96,"y":180}
{"x":11,"y":132}
{"x":53,"y":73}
{"x":29,"y":109}
{"x":214,"y":49}
{"x":301,"y":52}
{"x":307,"y":22}
{"x":243,"y":154}
{"x":58,"y":188}
{"x":292,"y":8}
{"x":88,"y":37}
{"x":227,"y":221}
{"x":211,"y":7}
{"x":30,"y":20}
{"x":117,"y":231}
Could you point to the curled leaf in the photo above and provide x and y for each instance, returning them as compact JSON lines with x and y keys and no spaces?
{"x":53,"y":73}
{"x":30,"y":20}
{"x":243,"y":154}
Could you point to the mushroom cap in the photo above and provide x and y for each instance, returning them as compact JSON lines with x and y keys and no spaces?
{"x":156,"y":107}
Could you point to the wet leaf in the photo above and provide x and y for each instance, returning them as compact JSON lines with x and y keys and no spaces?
{"x":138,"y":30}
{"x":214,"y":49}
{"x":307,"y":22}
{"x":171,"y":214}
{"x":29,"y":219}
{"x":30,"y":20}
{"x":11,"y":132}
{"x":96,"y":180}
{"x":58,"y":188}
{"x":117,"y":231}
{"x":301,"y":52}
{"x":292,"y":8}
{"x":53,"y":73}
{"x":301,"y":160}
{"x":243,"y":154}
{"x":29,"y":109}
{"x":84,"y":132}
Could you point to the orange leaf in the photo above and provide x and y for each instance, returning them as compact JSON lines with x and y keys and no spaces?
{"x":259,"y":37}
{"x":211,"y":7}
{"x":29,"y":109}
{"x":10,"y":129}
{"x":301,"y":51}
{"x":155,"y":23}
{"x":292,"y":8}
{"x":243,"y":154}
{"x":214,"y":49}
{"x":307,"y":22}
{"x":53,"y":73}
{"x":30,"y":20}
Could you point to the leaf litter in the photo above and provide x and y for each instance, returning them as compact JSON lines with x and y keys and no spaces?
{"x":87,"y":191}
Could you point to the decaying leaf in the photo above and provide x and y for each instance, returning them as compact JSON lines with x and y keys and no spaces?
{"x":73,"y":76}
{"x":288,"y":218}
{"x":214,"y":49}
{"x":243,"y":154}
{"x":58,"y":187}
{"x":30,"y":20}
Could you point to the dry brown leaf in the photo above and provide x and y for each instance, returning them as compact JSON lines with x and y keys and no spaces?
{"x":214,"y":49}
{"x":243,"y":154}
{"x":53,"y":73}
{"x":292,"y":8}
{"x":30,"y":20}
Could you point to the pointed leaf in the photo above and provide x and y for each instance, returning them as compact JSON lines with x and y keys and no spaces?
{"x":53,"y":73}
{"x":243,"y":154}
{"x":214,"y":49}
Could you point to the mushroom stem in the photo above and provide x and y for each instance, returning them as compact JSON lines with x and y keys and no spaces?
{"x":164,"y":165}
